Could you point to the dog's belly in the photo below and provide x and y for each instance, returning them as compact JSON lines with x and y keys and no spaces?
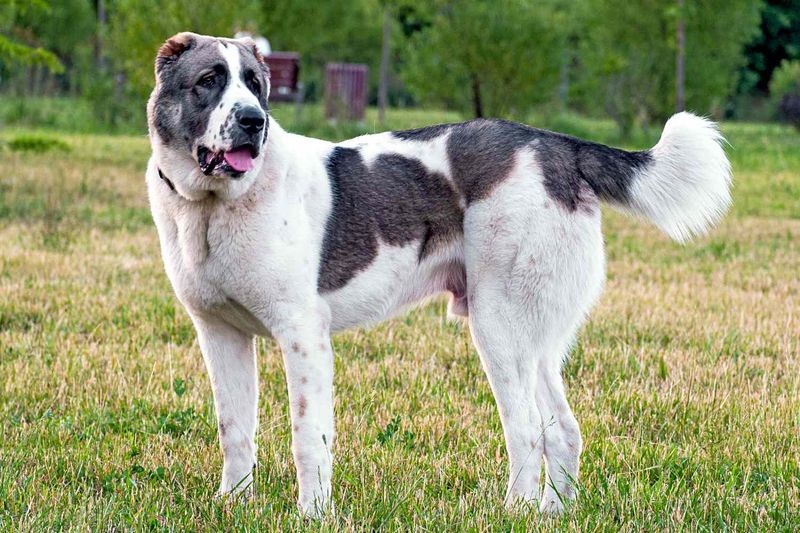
{"x":395,"y":280}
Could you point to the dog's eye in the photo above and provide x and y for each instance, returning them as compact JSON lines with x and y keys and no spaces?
{"x":208,"y":80}
{"x":252,"y":82}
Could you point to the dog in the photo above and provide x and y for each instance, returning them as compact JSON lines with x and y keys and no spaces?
{"x":264,"y":232}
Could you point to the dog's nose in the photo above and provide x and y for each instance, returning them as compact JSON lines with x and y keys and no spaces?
{"x":251,"y":119}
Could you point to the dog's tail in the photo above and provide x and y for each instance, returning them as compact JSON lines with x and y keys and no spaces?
{"x":682,"y":184}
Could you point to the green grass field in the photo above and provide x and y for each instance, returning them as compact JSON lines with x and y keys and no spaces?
{"x":686,"y":380}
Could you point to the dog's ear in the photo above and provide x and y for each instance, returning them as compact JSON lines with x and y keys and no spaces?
{"x":172,"y":49}
{"x":256,"y":52}
{"x":251,"y":45}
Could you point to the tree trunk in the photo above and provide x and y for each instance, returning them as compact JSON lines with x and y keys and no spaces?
{"x":477,"y":103}
{"x":680,"y":61}
{"x":563,"y":84}
{"x":383,"y":83}
{"x":102,"y":18}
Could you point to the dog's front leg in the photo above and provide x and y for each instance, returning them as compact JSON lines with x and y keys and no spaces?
{"x":230,"y":360}
{"x":308,"y":362}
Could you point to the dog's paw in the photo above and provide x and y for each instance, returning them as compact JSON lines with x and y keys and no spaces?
{"x":314,"y":509}
{"x":236,"y":487}
{"x":553,"y":503}
{"x":521,"y":503}
{"x":551,"y":507}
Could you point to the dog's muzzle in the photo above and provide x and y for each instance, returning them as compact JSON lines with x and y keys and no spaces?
{"x":246,"y":140}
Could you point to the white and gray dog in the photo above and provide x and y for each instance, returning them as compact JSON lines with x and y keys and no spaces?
{"x":268,"y":233}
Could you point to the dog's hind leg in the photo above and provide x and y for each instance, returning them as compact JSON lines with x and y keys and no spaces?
{"x":534,"y":269}
{"x":522,"y":337}
{"x":562,"y":441}
{"x":511,"y":364}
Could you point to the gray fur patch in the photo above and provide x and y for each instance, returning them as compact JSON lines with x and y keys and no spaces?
{"x":575,"y":171}
{"x":481,"y":154}
{"x":181,"y":109}
{"x":396,"y":200}
{"x":423,"y":134}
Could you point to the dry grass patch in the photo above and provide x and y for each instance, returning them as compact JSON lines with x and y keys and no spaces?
{"x":685,"y":380}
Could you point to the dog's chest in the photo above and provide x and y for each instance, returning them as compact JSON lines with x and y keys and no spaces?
{"x":212,"y":252}
{"x":236,"y":260}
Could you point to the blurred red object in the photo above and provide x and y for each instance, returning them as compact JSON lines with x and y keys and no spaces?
{"x":345,"y":91}
{"x":284,"y":69}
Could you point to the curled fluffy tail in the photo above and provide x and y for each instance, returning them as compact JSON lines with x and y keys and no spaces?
{"x":685,"y":188}
{"x":682,"y":184}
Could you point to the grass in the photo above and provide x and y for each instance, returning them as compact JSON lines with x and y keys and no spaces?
{"x":686,"y":380}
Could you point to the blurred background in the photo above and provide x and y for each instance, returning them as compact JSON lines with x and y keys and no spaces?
{"x":86,"y":66}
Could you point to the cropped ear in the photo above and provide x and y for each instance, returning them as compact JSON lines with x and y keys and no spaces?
{"x":251,"y":45}
{"x":171,"y":50}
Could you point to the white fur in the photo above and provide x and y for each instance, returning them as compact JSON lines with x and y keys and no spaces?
{"x":527,"y":298}
{"x":432,"y":154}
{"x":245,"y":261}
{"x":235,"y":94}
{"x":687,"y":190}
{"x":249,"y":264}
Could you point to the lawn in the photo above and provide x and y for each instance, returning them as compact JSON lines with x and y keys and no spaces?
{"x":686,"y":380}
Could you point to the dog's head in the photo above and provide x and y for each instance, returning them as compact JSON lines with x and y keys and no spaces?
{"x":208,"y":113}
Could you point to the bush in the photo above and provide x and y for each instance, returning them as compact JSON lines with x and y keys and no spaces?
{"x":74,"y":114}
{"x":785,"y":92}
{"x":62,"y":114}
{"x":37,"y":143}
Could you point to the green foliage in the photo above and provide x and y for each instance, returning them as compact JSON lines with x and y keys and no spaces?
{"x":785,"y":80}
{"x":138,"y":27}
{"x":13,"y":52}
{"x":18,"y":53}
{"x":777,"y":41}
{"x":53,"y":113}
{"x":716,"y":31}
{"x":37,"y":143}
{"x":628,"y":49}
{"x":342,"y":32}
{"x":116,"y":105}
{"x":49,"y":25}
{"x":393,"y":433}
{"x":785,"y":91}
{"x":493,"y":58}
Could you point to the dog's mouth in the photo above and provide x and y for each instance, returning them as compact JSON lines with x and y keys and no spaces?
{"x":233,"y":162}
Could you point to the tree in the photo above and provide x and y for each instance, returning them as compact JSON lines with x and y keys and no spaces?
{"x":386,"y":48}
{"x":785,"y":92}
{"x":71,"y":48}
{"x":777,"y":40}
{"x":11,"y":50}
{"x":139,"y":27}
{"x":325,"y":32}
{"x":493,"y":58}
{"x":628,"y":55}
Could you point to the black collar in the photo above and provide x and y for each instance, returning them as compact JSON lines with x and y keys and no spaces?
{"x":166,"y":180}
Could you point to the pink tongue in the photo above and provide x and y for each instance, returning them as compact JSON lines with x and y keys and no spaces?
{"x":240,"y":160}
